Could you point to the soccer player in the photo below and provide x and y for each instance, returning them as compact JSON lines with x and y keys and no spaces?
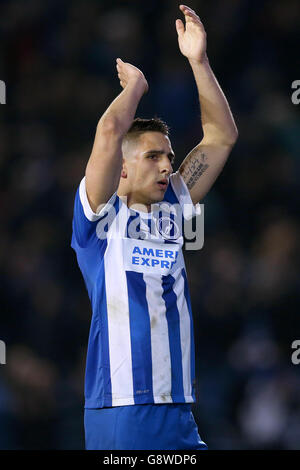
{"x":129,"y":211}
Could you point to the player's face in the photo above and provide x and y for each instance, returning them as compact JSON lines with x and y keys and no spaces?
{"x":149,"y":167}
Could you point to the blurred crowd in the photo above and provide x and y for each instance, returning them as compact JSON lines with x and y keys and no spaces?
{"x":57,"y":59}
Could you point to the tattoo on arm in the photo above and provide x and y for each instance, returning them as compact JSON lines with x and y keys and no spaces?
{"x":194,"y":166}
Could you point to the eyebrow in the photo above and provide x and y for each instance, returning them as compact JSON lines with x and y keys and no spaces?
{"x":171,"y":154}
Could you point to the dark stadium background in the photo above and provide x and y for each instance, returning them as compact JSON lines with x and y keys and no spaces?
{"x":58,"y":61}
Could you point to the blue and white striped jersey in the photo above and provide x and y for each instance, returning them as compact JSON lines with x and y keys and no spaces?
{"x":141,"y":344}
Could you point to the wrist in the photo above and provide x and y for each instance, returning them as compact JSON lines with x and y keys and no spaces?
{"x":203,"y":61}
{"x":137,"y":85}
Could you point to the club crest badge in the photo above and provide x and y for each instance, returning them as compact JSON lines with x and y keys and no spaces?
{"x":168,"y":228}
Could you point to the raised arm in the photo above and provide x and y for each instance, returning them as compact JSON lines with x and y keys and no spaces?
{"x":204,"y":163}
{"x":103,"y":169}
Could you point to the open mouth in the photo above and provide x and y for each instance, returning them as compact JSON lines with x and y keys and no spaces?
{"x":163,"y":184}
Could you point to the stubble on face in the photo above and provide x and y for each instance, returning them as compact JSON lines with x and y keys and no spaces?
{"x":142,"y":173}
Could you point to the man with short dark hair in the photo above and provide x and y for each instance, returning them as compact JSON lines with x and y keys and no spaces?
{"x":129,"y":215}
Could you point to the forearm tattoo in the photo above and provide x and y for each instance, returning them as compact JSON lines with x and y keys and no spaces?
{"x":194,"y":167}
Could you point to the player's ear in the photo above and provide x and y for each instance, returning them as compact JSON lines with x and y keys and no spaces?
{"x":124,"y":169}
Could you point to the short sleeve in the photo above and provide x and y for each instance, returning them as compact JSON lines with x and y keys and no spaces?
{"x":189,"y":209}
{"x":85,"y":221}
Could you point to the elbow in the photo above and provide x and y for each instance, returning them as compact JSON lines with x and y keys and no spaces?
{"x":109,"y":125}
{"x":231,"y":138}
{"x":234,"y":134}
{"x":234,"y":138}
{"x":223,"y":136}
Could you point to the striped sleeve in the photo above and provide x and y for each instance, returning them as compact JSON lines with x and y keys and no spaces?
{"x":85,"y":220}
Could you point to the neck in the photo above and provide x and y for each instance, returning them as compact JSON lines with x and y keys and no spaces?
{"x":134,"y":201}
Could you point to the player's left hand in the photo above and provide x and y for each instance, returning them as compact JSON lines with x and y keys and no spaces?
{"x":192,"y":38}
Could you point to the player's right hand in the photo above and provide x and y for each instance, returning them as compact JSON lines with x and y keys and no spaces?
{"x":129,"y":73}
